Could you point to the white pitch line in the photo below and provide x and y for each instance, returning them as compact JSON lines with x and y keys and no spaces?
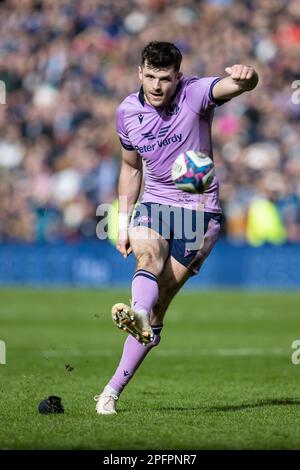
{"x":225,"y":352}
{"x":230,"y":352}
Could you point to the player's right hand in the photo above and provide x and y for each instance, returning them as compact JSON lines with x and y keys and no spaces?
{"x":123,"y":244}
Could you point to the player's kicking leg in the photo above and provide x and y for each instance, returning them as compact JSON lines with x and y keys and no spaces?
{"x":151,"y":251}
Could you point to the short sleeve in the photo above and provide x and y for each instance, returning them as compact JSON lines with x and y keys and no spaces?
{"x":199,"y":94}
{"x":121,"y":130}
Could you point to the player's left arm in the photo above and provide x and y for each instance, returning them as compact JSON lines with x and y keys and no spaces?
{"x":241,"y":78}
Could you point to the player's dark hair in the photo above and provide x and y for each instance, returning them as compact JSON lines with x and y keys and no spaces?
{"x":160,"y":55}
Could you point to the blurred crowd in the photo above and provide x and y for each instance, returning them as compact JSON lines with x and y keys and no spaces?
{"x":67,"y":64}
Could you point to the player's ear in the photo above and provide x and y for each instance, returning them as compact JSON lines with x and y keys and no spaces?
{"x":140,"y":73}
{"x":179,"y":76}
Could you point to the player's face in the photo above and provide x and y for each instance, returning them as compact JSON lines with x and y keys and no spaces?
{"x":159,"y":85}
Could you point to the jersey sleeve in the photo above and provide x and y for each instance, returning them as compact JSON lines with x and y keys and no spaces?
{"x":121,"y":130}
{"x":199,"y":94}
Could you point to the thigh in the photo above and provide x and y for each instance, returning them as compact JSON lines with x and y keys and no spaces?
{"x":193,"y":258}
{"x":149,"y":245}
{"x":150,"y":249}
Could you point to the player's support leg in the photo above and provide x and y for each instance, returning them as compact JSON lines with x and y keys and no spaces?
{"x":133,"y":355}
{"x":171,"y":280}
{"x":151,"y":251}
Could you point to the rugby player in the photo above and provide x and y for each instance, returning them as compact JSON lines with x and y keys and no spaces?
{"x":169,"y":115}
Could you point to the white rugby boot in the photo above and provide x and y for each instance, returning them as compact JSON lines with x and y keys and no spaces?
{"x":106,"y":403}
{"x":134,"y":323}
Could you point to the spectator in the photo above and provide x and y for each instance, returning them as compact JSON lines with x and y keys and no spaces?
{"x":67,"y":65}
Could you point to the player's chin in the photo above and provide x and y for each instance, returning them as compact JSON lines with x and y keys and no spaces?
{"x":157,"y":102}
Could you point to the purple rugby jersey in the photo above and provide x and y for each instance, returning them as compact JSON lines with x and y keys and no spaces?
{"x":159,"y":135}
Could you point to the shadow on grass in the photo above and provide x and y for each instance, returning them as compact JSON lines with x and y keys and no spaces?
{"x":179,"y":408}
{"x":257,"y":404}
{"x":242,"y":406}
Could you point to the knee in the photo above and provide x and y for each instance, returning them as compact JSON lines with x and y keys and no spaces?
{"x":150,"y":261}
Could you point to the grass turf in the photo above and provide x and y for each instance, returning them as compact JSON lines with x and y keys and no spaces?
{"x":222,"y":377}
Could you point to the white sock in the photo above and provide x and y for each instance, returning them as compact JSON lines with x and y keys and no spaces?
{"x":110,"y":391}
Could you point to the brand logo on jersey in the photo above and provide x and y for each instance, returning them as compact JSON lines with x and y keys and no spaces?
{"x":174,"y":138}
{"x":141,"y":117}
{"x":160,"y":142}
{"x":163,"y":131}
{"x":172,"y":109}
{"x":125,"y":372}
{"x":149,"y":135}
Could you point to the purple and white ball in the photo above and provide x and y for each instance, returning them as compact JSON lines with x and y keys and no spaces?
{"x":193,"y":171}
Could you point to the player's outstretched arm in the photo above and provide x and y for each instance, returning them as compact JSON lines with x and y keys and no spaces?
{"x":241,"y":78}
{"x":130,"y":181}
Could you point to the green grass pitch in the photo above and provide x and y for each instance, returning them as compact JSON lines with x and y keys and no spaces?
{"x":222,"y":377}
